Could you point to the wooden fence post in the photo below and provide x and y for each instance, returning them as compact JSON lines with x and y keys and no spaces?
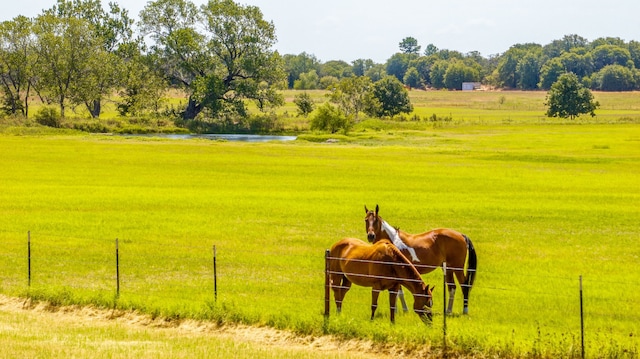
{"x":327,"y":285}
{"x":581,"y":319}
{"x":117,"y":270}
{"x":29,"y":255}
{"x":444,"y":309}
{"x":215,"y":276}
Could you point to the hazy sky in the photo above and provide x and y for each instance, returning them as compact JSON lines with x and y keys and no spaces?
{"x":372,"y":29}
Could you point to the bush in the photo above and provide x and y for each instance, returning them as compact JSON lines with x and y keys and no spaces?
{"x":330,"y":118}
{"x":48,"y":116}
{"x":304,"y":102}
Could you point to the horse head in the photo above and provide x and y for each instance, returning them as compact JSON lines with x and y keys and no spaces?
{"x":373,"y":224}
{"x":423,"y":302}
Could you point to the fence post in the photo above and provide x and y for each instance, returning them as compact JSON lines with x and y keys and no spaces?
{"x":215,"y":276}
{"x":444,"y":308}
{"x":327,"y":291}
{"x":581,"y":320}
{"x":29,"y":255}
{"x":117,"y":270}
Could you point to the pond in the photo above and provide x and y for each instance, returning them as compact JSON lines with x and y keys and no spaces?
{"x":216,"y":136}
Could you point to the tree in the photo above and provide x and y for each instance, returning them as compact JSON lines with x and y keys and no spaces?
{"x":352,"y":95}
{"x":614,"y":78}
{"x":398,"y":64}
{"x":67,"y":49}
{"x":604,"y":55}
{"x":389,"y":98}
{"x":17,"y":58}
{"x":376,"y":72}
{"x":220,"y":55}
{"x":550,"y":72}
{"x":423,"y":65}
{"x":299,"y":64}
{"x":437,"y":73}
{"x":361,"y":66}
{"x":412,"y":78}
{"x":409,"y":45}
{"x":141,"y":88}
{"x":306,"y":81}
{"x":336,"y":68}
{"x":566,"y":44}
{"x":110,"y":30}
{"x":634,"y":51}
{"x":457,"y":73}
{"x":330,"y":118}
{"x":528,"y":70}
{"x":304,"y":102}
{"x":431,"y":49}
{"x":568,"y":98}
{"x":579,"y":64}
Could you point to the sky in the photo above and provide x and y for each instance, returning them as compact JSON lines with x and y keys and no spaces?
{"x":372,"y":29}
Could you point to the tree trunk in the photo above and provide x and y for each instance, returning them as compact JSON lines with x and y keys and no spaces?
{"x":94,"y":108}
{"x":62,"y":107}
{"x":192,"y":110}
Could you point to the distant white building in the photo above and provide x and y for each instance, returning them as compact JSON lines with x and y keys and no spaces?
{"x":470,"y":86}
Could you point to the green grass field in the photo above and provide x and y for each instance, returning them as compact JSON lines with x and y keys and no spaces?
{"x":544,"y":204}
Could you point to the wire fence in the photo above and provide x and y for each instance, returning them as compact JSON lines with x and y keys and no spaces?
{"x":200,"y":274}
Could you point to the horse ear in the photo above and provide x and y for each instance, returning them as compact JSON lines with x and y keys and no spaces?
{"x":365,"y":209}
{"x":377,"y":209}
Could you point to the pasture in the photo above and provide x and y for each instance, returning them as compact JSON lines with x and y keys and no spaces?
{"x":544,"y":204}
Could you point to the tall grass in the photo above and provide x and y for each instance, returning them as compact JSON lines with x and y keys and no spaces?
{"x":542,"y":204}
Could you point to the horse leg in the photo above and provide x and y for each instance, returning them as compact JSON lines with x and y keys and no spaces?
{"x":451,"y":283}
{"x":340,"y":290}
{"x":402,"y":301}
{"x":465,"y":290}
{"x":393,"y":295}
{"x":375,"y":292}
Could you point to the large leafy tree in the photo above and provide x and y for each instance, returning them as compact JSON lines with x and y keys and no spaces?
{"x":390,"y":98}
{"x":615,"y":78}
{"x":67,"y":50}
{"x":17,"y":58}
{"x":352,"y":95}
{"x":568,"y":98}
{"x":220,"y":55}
{"x":110,"y":30}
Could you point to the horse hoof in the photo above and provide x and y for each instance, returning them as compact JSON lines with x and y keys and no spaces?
{"x":465,"y":311}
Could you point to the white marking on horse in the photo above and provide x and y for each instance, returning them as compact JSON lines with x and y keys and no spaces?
{"x":395,"y":238}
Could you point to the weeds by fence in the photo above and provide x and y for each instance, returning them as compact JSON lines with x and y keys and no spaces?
{"x":191,"y":277}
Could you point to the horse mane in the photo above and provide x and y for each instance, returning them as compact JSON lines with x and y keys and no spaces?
{"x":406,"y":261}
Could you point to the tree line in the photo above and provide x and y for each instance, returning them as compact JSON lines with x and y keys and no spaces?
{"x":220,"y":55}
{"x":605,"y":64}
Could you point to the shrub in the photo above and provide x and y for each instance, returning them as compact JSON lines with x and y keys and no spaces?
{"x":330,"y":118}
{"x":48,"y":116}
{"x":304,"y":103}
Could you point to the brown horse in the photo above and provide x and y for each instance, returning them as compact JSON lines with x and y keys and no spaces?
{"x":430,"y":250}
{"x":380,"y":266}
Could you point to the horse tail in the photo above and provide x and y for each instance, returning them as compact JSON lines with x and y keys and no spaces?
{"x":472,"y":264}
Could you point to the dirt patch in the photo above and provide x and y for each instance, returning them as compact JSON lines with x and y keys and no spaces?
{"x":264,"y":336}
